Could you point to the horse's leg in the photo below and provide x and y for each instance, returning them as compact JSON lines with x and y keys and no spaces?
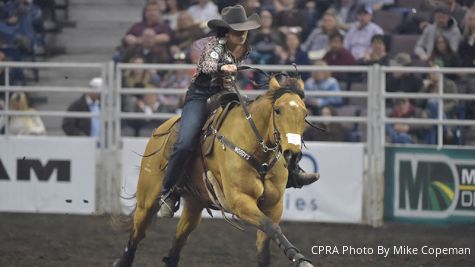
{"x":263,"y":241}
{"x":263,"y":249}
{"x":189,"y":219}
{"x":143,"y":216}
{"x":246,"y":208}
{"x":148,"y":192}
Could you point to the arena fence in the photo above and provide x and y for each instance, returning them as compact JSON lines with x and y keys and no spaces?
{"x":111,"y":161}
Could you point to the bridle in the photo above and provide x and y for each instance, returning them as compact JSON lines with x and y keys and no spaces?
{"x":262,"y":168}
{"x":251,"y":122}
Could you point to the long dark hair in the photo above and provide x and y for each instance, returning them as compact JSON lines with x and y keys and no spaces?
{"x":221,"y":32}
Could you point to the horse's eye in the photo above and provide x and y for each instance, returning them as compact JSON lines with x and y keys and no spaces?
{"x":277,"y":111}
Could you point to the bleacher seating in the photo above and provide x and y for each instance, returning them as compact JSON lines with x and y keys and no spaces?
{"x":402,"y":43}
{"x":416,"y":4}
{"x":387,"y":20}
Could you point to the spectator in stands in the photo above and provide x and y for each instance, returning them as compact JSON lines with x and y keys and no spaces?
{"x":251,"y":6}
{"x":413,"y":23}
{"x":338,"y":55}
{"x":443,"y":55}
{"x":265,"y":41}
{"x":334,"y":130}
{"x":466,"y":53}
{"x":466,"y":49}
{"x":136,"y":78}
{"x":203,"y":11}
{"x":178,"y":79}
{"x":17,"y":24}
{"x":289,"y":17}
{"x":89,"y":102}
{"x":291,"y":53}
{"x":358,"y":38}
{"x":377,"y":54}
{"x":148,"y":49}
{"x":407,"y":82}
{"x":377,"y":4}
{"x":171,"y":13}
{"x":400,"y":133}
{"x":151,"y":18}
{"x":456,"y":11}
{"x":322,"y":81}
{"x":187,"y":31}
{"x":443,"y":25}
{"x":467,"y":4}
{"x":431,"y":106}
{"x":317,"y":43}
{"x":148,"y":105}
{"x":16,"y":75}
{"x":346,"y":12}
{"x":24,"y":124}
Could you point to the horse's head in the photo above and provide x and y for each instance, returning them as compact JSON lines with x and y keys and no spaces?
{"x":288,"y":116}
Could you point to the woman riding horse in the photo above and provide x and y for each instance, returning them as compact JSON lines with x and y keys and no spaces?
{"x":216,"y":70}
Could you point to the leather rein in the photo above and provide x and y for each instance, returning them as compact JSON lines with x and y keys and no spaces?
{"x":261,"y":168}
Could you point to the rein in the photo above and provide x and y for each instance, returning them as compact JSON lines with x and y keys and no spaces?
{"x":261,"y":168}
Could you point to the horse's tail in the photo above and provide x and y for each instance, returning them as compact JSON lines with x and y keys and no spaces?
{"x":121,"y":222}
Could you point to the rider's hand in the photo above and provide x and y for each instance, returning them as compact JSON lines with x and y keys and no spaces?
{"x":229,"y":68}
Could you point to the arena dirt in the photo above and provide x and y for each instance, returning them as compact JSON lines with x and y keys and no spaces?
{"x":67,"y":240}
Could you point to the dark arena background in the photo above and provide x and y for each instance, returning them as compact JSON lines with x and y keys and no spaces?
{"x":83,"y":84}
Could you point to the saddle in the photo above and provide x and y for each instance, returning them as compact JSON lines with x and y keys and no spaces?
{"x":166,"y":135}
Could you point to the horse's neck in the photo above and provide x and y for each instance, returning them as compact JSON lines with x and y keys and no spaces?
{"x":239,"y":130}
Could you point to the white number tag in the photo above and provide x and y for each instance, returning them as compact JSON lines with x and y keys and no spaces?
{"x":295,"y":139}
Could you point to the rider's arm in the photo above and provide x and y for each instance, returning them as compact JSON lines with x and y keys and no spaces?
{"x":210,"y":58}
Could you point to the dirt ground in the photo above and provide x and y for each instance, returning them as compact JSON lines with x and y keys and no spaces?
{"x":67,"y":240}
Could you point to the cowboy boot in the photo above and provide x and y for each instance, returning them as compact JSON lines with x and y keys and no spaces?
{"x":169,"y":204}
{"x":298,"y":178}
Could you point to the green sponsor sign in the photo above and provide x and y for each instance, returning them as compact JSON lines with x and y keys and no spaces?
{"x":424,"y":184}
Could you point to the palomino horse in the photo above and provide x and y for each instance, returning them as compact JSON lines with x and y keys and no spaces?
{"x":249,"y":177}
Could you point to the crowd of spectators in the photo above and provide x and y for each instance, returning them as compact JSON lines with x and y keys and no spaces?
{"x":344,"y":32}
{"x":25,"y":26}
{"x":319,"y":32}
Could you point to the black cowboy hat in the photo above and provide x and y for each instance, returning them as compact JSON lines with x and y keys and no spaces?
{"x":234,"y":17}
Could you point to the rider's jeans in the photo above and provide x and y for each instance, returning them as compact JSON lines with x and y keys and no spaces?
{"x":193,"y":117}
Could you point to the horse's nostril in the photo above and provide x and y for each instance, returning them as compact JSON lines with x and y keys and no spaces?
{"x":288,"y":155}
{"x":299,"y":156}
{"x":292,"y":158}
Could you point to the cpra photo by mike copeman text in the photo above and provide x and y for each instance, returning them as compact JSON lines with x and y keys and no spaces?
{"x":387,"y":251}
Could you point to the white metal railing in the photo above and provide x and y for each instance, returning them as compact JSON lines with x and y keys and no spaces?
{"x":101,"y":69}
{"x":375,"y":118}
{"x":373,"y":198}
{"x":107,"y":161}
{"x":439,"y":95}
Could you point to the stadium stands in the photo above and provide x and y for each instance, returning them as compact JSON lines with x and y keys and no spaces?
{"x":100,"y":27}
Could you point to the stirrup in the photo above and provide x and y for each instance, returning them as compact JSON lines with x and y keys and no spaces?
{"x":169,"y":204}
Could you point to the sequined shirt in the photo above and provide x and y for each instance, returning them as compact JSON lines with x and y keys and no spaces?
{"x":214,"y":55}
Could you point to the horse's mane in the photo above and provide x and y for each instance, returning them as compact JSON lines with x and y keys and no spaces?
{"x":290,"y":85}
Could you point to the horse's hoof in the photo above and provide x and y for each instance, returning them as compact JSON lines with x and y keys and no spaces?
{"x":120,"y":263}
{"x":305,"y":264}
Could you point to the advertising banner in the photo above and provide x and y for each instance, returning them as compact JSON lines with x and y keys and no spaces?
{"x":336,"y":197}
{"x":50,"y":175}
{"x":430,"y":185}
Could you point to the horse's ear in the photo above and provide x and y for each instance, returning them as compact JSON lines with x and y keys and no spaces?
{"x":273,"y":83}
{"x":301,"y":84}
